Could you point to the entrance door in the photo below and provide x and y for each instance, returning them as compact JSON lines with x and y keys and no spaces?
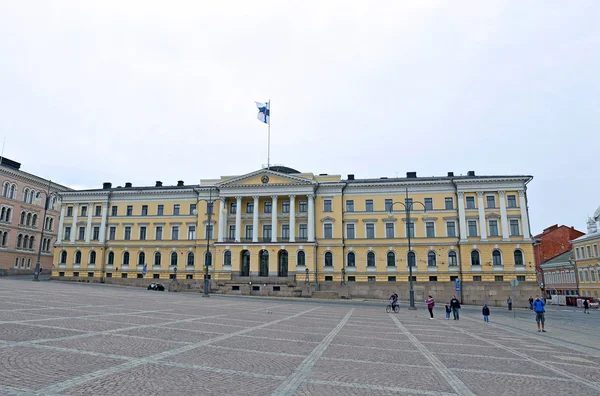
{"x":245,"y":270}
{"x":264,"y":263}
{"x":282,"y":269}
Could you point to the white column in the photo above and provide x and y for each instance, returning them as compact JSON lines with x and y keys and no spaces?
{"x":482,"y":223}
{"x":311,"y":218}
{"x":88,"y":226}
{"x":524,"y":217}
{"x":462,"y":219}
{"x":255,"y":220}
{"x":61,"y":222}
{"x":292,"y":218}
{"x":103,"y":223}
{"x":222,"y":220}
{"x":74,"y":223}
{"x":238,"y":219}
{"x":274,"y":219}
{"x":503,"y":216}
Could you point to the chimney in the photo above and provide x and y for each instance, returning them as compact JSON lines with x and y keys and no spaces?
{"x":350,"y":177}
{"x":106,"y":185}
{"x":158,"y":184}
{"x":180,"y":183}
{"x":471,"y":173}
{"x":450,"y":174}
{"x":128,"y":185}
{"x":383,"y":177}
{"x":411,"y":175}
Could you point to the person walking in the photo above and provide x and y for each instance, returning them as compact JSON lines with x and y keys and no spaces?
{"x":586,"y":306}
{"x":430,"y":305}
{"x":538,"y":308}
{"x":509,"y":303}
{"x":530,"y":302}
{"x":486,"y":313}
{"x":455,"y":305}
{"x":448,"y":310}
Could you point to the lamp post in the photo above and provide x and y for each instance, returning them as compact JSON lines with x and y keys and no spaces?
{"x":572,"y":263}
{"x":37,"y":263}
{"x":343,"y":276}
{"x":408,"y":206}
{"x":208,"y":232}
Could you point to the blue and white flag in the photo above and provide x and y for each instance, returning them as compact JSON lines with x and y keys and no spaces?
{"x":144,"y":270}
{"x":264,"y":113}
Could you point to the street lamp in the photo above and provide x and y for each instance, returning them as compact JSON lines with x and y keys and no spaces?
{"x":343,"y":276}
{"x":37,"y":263}
{"x":572,"y":263}
{"x":408,"y":206}
{"x":210,"y":207}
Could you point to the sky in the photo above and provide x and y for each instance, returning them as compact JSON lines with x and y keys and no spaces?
{"x":139,"y":91}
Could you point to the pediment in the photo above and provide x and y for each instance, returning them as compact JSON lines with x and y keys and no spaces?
{"x":265,"y":177}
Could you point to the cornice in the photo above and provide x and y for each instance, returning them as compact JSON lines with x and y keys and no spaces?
{"x":236,"y":180}
{"x":39,"y":182}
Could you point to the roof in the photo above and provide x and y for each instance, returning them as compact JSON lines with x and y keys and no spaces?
{"x":561,"y":258}
{"x":585,"y":237}
{"x":435,"y":178}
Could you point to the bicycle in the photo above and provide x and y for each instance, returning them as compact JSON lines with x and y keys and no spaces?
{"x":388,"y":309}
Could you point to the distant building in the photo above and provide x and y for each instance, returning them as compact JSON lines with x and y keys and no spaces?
{"x":559,"y":275}
{"x":22,"y":200}
{"x":588,"y":259}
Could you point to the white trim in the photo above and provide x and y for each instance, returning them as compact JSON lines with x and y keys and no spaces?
{"x":374,"y":230}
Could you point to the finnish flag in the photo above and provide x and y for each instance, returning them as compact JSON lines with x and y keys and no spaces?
{"x":263,"y":111}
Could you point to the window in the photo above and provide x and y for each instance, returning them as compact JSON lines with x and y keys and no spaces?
{"x":285,"y":206}
{"x":452,"y":259}
{"x":142,"y":258}
{"x":433,"y":279}
{"x":302,"y":206}
{"x":350,"y":231}
{"x":451,"y":229}
{"x":249,"y":231}
{"x":84,"y":211}
{"x":96,"y":233}
{"x":475,"y":258}
{"x":63,"y":257}
{"x":5,"y":190}
{"x":493,"y":228}
{"x":582,"y":252}
{"x":301,"y":258}
{"x":593,"y":274}
{"x":176,"y":209}
{"x":111,"y":258}
{"x":268,"y":207}
{"x":328,"y":259}
{"x":587,"y":275}
{"x":129,"y":210}
{"x":142,"y":233}
{"x":159,"y":233}
{"x":124,"y":276}
{"x":98,"y":210}
{"x":410,"y":229}
{"x":127,"y":233}
{"x":76,"y":274}
{"x":428,"y":203}
{"x":191,"y":232}
{"x":589,"y":251}
{"x":411,"y":259}
{"x":512,"y":201}
{"x":78,"y":257}
{"x":491,"y":201}
{"x":208,"y":259}
{"x":595,"y":250}
{"x":514,"y":228}
{"x":190,"y":259}
{"x":173,"y":258}
{"x":521,"y":278}
{"x":453,"y":278}
{"x":227,"y":258}
{"x":112,"y":231}
{"x":518,"y":257}
{"x":303,"y":231}
{"x":370,"y":230}
{"x":160,"y":210}
{"x":371,"y":279}
{"x":210,"y":208}
{"x":370,"y":259}
{"x":249,"y":207}
{"x":209,"y":231}
{"x":496,"y":257}
{"x":350,"y":205}
{"x":477,"y":278}
{"x":327,"y":230}
{"x":329,"y":278}
{"x":472,"y":228}
{"x":369,"y":205}
{"x":175,"y":233}
{"x":409,"y":203}
{"x":449,"y":203}
{"x":266,"y":232}
{"x":233,"y":207}
{"x":113,"y":210}
{"x":351,"y":259}
{"x":431,"y":259}
{"x":391,"y":279}
{"x":391,"y":259}
{"x":471,"y":202}
{"x":126,"y":258}
{"x":577,"y":253}
{"x":81,"y":235}
{"x":157,"y":258}
{"x":388,"y":205}
{"x":327,"y":205}
{"x":430,"y":229}
{"x":192,"y":208}
{"x":285,"y":231}
{"x":144,"y":210}
{"x":389,"y":230}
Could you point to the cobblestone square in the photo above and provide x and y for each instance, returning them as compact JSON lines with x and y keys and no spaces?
{"x":73,"y":339}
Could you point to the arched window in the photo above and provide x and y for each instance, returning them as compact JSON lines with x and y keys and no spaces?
{"x":63,"y":257}
{"x":496,"y":257}
{"x":78,"y":257}
{"x":431,"y":259}
{"x":4,"y":238}
{"x":412,"y":259}
{"x":28,"y":263}
{"x":25,"y":241}
{"x":26,"y":195}
{"x":518,"y":257}
{"x":34,"y":220}
{"x":391,"y":259}
{"x":370,"y":259}
{"x":208,"y":259}
{"x":190,"y":259}
{"x":227,"y":258}
{"x":7,"y":218}
{"x":328,"y":259}
{"x":37,"y":195}
{"x":111,"y":258}
{"x":174,"y":258}
{"x":17,"y":263}
{"x":19,"y":240}
{"x":301,"y":258}
{"x":31,"y":242}
{"x":92,"y":257}
{"x":142,"y":258}
{"x":157,"y":258}
{"x":23,"y":262}
{"x":22,"y":219}
{"x":351,"y":259}
{"x":452,"y":260}
{"x":126,"y":258}
{"x":5,"y":191}
{"x":13,"y":189}
{"x":2,"y":214}
{"x":475,"y":258}
{"x":28,"y":222}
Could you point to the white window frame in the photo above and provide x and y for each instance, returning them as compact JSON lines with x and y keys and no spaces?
{"x":374,"y":231}
{"x":577,"y":253}
{"x":434,"y":229}
{"x":189,"y":231}
{"x":490,"y":228}
{"x":353,"y":225}
{"x":518,"y":225}
{"x":477,"y":235}
{"x":455,"y":233}
{"x":330,"y":204}
{"x":327,"y":223}
{"x":288,"y":230}
{"x":393,"y":230}
{"x":486,"y":201}
{"x":173,"y":227}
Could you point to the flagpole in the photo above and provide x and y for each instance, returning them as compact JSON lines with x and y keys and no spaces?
{"x":269,"y":144}
{"x":2,"y":153}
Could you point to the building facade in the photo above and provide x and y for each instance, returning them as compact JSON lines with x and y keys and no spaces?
{"x":587,"y":259}
{"x":22,"y":221}
{"x":283,"y":225}
{"x":559,"y":276}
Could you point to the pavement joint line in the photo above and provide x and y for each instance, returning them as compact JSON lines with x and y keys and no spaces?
{"x":452,"y":379}
{"x":375,"y":348}
{"x":511,"y":374}
{"x":75,"y":308}
{"x":291,"y":384}
{"x":279,"y":339}
{"x":149,"y":338}
{"x":380,"y":387}
{"x":16,"y":391}
{"x":89,"y":317}
{"x":193,"y":330}
{"x":219,"y":370}
{"x":255,"y":351}
{"x":82,"y":352}
{"x":373,"y":362}
{"x":478,"y":356}
{"x":573,"y":377}
{"x":61,"y":386}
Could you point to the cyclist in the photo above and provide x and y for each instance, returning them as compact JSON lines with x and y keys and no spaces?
{"x":394,"y":299}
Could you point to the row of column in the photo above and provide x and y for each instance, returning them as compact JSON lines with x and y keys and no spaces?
{"x":274,"y":219}
{"x":88,"y":228}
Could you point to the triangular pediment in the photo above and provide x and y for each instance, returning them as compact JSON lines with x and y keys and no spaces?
{"x":265,"y":177}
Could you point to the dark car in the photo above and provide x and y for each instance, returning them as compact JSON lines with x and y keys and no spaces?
{"x":156,"y":286}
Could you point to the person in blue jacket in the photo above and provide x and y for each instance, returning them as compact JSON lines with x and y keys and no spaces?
{"x":538,"y":307}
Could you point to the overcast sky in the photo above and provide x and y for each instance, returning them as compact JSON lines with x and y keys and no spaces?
{"x":142,"y":91}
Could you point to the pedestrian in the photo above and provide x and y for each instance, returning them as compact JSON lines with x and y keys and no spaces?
{"x":538,"y":308}
{"x":586,"y":306}
{"x":486,"y":313}
{"x":530,"y":302}
{"x":455,"y":305}
{"x":509,"y":303}
{"x":430,"y":305}
{"x":448,"y":310}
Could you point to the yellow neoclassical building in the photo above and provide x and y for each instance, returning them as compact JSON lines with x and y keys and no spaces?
{"x":587,"y":258}
{"x":278,"y":223}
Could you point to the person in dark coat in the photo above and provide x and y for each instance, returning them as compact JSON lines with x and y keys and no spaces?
{"x":486,"y":313}
{"x":455,"y":305}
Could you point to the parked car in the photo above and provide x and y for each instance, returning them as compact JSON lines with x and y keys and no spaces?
{"x":156,"y":286}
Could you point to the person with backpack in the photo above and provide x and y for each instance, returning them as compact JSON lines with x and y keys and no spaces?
{"x":486,"y":313}
{"x":430,"y":305}
{"x":455,"y":305}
